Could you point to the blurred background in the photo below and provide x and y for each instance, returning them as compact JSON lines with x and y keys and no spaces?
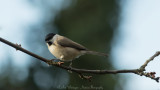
{"x":126,"y":29}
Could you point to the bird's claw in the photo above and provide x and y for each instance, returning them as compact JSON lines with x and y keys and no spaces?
{"x":60,"y":63}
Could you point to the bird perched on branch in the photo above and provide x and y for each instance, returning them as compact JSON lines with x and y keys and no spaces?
{"x":65,"y":49}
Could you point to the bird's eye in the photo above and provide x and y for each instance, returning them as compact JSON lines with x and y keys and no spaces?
{"x":49,"y":43}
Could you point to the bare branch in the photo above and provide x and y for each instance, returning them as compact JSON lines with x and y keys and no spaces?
{"x":139,"y":71}
{"x":150,"y":59}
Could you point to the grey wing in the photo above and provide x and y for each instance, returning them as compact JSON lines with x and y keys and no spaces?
{"x":65,"y":42}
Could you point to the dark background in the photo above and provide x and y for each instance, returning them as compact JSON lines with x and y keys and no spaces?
{"x":91,"y":23}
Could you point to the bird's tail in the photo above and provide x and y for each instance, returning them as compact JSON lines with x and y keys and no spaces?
{"x":97,"y":53}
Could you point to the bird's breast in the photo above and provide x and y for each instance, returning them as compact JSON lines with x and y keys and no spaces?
{"x":64,"y":53}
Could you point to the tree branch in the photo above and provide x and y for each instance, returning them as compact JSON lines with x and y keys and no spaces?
{"x":139,"y":71}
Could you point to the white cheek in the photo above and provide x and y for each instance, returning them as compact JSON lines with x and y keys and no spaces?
{"x":51,"y":48}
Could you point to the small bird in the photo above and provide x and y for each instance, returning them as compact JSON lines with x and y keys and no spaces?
{"x":65,"y":49}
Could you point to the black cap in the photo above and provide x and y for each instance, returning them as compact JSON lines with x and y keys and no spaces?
{"x":49,"y":36}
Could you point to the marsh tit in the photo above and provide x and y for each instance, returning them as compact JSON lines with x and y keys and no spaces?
{"x":65,"y":49}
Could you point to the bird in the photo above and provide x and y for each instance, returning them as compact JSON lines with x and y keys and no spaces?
{"x":64,"y":49}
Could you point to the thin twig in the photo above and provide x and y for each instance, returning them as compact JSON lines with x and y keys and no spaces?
{"x":139,"y":71}
{"x":142,"y":68}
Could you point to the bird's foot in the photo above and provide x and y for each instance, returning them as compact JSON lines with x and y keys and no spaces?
{"x":60,"y":63}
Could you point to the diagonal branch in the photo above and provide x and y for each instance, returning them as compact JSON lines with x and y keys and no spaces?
{"x":150,"y":59}
{"x":139,"y":71}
